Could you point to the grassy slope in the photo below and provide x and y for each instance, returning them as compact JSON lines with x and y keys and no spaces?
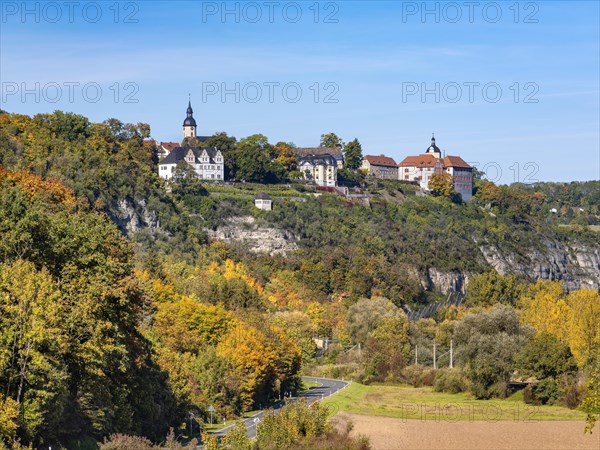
{"x":407,"y":402}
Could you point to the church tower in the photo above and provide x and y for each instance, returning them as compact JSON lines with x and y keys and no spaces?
{"x":189,"y":124}
{"x":433,"y":149}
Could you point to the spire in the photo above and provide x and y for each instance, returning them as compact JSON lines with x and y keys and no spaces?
{"x":189,"y":120}
{"x":433,"y":139}
{"x":190,"y":111}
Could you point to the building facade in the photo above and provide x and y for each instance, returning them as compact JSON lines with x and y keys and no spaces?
{"x":335,"y":152}
{"x":321,"y":169}
{"x":207,"y":162}
{"x":380,"y":167}
{"x":264,"y":202}
{"x":420,"y":169}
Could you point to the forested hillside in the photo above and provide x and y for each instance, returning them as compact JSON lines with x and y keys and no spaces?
{"x":120,"y":313}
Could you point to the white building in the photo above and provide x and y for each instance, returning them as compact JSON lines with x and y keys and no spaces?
{"x":263,"y":201}
{"x":322,"y":169}
{"x":207,"y":162}
{"x":420,"y":168}
{"x":336,"y":152}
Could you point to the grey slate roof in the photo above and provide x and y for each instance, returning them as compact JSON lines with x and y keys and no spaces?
{"x":263,"y":196}
{"x":336,"y":152}
{"x":323,"y":159}
{"x":179,"y":154}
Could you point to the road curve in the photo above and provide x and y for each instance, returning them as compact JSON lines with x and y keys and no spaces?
{"x":326,"y":388}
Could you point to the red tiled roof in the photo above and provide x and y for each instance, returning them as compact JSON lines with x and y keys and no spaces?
{"x":307,"y":151}
{"x":169,"y":146}
{"x":380,"y":161}
{"x":424,"y":160}
{"x":455,"y":161}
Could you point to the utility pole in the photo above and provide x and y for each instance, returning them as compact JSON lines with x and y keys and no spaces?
{"x":451,"y":355}
{"x":434,"y":357}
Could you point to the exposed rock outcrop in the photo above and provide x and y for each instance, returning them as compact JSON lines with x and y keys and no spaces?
{"x":575,"y":264}
{"x":133,"y":215}
{"x":258,"y":238}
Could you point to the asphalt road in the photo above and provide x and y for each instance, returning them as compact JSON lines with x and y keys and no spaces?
{"x":327,"y":387}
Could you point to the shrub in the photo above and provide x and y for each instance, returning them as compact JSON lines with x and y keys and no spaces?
{"x":418,"y":375}
{"x":572,"y":391}
{"x":124,"y":442}
{"x":452,"y":381}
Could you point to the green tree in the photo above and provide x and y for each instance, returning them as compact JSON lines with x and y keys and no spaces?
{"x":489,"y":288}
{"x":353,"y":154}
{"x":331,"y":140}
{"x":185,"y":183}
{"x":254,"y":157}
{"x":486,"y":346}
{"x":366,"y":315}
{"x":545,"y":356}
{"x":387,"y":349}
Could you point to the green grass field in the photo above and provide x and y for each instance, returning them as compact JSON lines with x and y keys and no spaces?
{"x":407,"y":402}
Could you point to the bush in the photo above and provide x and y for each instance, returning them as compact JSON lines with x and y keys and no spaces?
{"x":572,"y":391}
{"x":418,"y":375}
{"x":545,"y":392}
{"x":124,"y":442}
{"x":452,"y":381}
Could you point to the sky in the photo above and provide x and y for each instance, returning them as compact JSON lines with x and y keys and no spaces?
{"x":512,"y":87}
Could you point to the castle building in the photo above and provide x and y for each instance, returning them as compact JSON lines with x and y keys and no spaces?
{"x":420,"y":168}
{"x":207,"y":162}
{"x":381,"y":166}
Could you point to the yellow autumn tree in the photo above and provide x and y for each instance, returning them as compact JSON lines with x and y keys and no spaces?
{"x":546,"y":309}
{"x":187,"y":324}
{"x":249,"y":349}
{"x":572,"y":318}
{"x":584,"y":325}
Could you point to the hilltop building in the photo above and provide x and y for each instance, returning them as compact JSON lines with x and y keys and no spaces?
{"x":420,"y":168}
{"x":335,"y":152}
{"x":207,"y":162}
{"x":321,"y":169}
{"x":380,"y":167}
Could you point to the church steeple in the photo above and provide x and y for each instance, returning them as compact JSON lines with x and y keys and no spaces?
{"x":433,"y":149}
{"x":189,"y":124}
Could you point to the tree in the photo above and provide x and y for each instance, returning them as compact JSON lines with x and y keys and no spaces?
{"x":387,"y":349}
{"x":442,"y":185}
{"x":584,"y":326}
{"x":489,"y":288}
{"x":329,"y":140}
{"x":486,"y":346}
{"x":285,"y":156}
{"x":545,"y":356}
{"x":185,"y":182}
{"x":254,"y":155}
{"x":591,"y":402}
{"x":353,"y":154}
{"x":366,"y":315}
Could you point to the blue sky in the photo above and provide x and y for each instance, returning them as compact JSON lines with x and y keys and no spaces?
{"x":374,"y":58}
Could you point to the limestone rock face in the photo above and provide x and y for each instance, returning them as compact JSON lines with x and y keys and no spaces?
{"x":132,"y":215}
{"x":258,"y":238}
{"x":575,"y":264}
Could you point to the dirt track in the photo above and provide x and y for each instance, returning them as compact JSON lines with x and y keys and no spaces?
{"x":392,"y":434}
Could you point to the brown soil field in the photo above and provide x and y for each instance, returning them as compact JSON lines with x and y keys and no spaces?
{"x":391,"y":434}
